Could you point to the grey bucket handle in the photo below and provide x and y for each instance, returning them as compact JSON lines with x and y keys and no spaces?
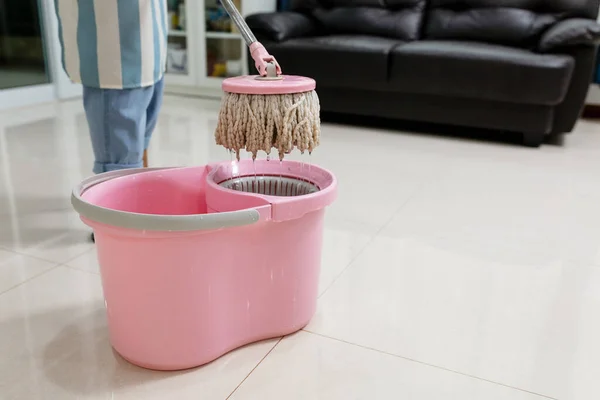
{"x":152,"y":222}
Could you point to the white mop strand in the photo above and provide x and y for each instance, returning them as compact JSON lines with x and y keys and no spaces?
{"x":263,"y":122}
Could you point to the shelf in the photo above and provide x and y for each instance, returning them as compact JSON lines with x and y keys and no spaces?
{"x":214,"y":82}
{"x":177,"y":32}
{"x":209,"y":45}
{"x":174,"y":78}
{"x":177,"y":73}
{"x":223,"y":35}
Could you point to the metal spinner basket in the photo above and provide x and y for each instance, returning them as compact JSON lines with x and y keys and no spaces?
{"x":270,"y":185}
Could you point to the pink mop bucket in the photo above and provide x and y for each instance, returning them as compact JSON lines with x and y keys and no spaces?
{"x":198,"y":261}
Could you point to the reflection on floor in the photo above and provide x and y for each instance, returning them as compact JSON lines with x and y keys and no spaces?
{"x":452,"y":269}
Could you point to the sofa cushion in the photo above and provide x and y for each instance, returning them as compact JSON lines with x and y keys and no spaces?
{"x":280,"y":26}
{"x":311,"y":4}
{"x":303,"y":5}
{"x":338,"y":60}
{"x":400,"y":19}
{"x":480,"y":71}
{"x":512,"y":22}
{"x":569,"y":33}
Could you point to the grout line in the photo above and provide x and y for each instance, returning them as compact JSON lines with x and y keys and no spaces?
{"x":253,"y":369}
{"x":23,"y":253}
{"x":79,"y":255}
{"x":56,"y":266}
{"x":375,"y":235}
{"x":70,"y":267}
{"x":31,"y":278}
{"x":338,"y":276}
{"x":9,"y":250}
{"x":430,"y":365}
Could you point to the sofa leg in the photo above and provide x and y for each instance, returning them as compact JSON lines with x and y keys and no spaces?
{"x":145,"y":159}
{"x":533,"y":139}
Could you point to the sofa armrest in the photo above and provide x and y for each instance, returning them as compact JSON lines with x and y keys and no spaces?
{"x":281,"y":26}
{"x":570,"y":32}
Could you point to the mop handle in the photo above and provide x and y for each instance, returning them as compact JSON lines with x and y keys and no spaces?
{"x":266,"y":64}
{"x":239,"y":21}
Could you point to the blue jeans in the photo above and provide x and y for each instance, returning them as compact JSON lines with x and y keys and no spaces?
{"x":121,"y":122}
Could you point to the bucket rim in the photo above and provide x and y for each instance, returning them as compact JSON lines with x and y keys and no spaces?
{"x":283,"y":208}
{"x":153,"y":222}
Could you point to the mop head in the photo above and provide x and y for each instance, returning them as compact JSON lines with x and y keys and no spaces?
{"x":264,"y":118}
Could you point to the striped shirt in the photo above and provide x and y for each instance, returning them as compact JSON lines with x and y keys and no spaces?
{"x":113,"y":44}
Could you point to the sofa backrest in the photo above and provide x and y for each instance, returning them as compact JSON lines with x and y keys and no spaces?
{"x":511,"y":22}
{"x":400,"y":19}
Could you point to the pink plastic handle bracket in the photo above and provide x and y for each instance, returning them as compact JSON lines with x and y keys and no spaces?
{"x":262,"y":58}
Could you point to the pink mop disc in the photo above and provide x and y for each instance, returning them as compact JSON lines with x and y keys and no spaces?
{"x":286,"y":85}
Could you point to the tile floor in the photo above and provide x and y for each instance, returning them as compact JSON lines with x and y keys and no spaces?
{"x":452,"y":269}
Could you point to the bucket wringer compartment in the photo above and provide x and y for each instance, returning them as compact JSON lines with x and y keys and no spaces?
{"x":198,"y":261}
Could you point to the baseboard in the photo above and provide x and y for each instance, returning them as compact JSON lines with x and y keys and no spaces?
{"x":591,"y":111}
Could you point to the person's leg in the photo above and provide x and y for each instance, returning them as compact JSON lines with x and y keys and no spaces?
{"x":117,"y":120}
{"x":153,"y":111}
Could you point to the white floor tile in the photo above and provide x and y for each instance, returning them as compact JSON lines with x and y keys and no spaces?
{"x":88,"y":261}
{"x":375,"y":180}
{"x":54,"y":345}
{"x":475,"y":256}
{"x":16,"y":269}
{"x":58,"y":247}
{"x":547,"y":213}
{"x":308,"y":367}
{"x":42,"y":322}
{"x":342,"y":242}
{"x":524,"y":325}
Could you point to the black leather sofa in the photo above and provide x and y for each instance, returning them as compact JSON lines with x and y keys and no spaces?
{"x":509,"y":65}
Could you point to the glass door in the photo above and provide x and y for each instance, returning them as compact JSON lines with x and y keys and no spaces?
{"x":24,"y":69}
{"x":225,"y":50}
{"x":181,"y":42}
{"x":22,"y":53}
